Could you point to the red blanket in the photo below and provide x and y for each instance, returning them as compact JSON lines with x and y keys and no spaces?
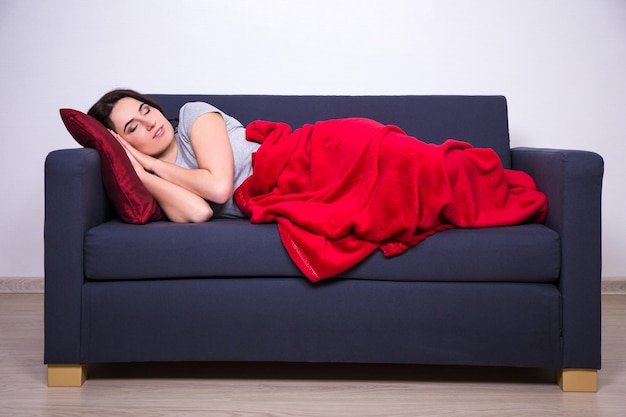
{"x":340,"y":189}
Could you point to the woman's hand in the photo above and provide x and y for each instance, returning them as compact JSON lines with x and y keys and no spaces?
{"x":139,"y":169}
{"x":140,"y":160}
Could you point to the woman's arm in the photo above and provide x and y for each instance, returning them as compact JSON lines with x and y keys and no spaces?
{"x":178,"y":204}
{"x":214,"y":178}
{"x":182,"y":192}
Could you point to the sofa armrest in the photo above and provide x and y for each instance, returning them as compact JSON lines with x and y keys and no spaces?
{"x":572,"y":181}
{"x":75,"y":200}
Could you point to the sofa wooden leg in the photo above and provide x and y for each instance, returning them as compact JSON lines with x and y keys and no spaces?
{"x":577,"y":380}
{"x":66,"y":375}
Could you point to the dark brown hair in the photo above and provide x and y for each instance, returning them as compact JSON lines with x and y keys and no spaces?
{"x":102,"y":109}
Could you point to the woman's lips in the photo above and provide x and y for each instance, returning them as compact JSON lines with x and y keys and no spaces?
{"x":158,"y":132}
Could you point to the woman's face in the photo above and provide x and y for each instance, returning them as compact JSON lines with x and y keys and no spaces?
{"x":143,"y":126}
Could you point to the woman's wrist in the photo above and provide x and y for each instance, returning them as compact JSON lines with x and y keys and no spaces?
{"x":154,"y":168}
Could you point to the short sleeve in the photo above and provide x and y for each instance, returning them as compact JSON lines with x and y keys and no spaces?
{"x":190,"y":112}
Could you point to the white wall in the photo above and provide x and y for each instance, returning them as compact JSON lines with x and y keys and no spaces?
{"x":561,"y":64}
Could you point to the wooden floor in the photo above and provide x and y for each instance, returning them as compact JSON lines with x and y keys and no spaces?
{"x":290,"y":390}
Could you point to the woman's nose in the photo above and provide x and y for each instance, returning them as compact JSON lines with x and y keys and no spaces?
{"x":150,"y":124}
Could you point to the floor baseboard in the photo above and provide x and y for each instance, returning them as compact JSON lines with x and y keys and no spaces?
{"x":8,"y":285}
{"x":614,"y":285}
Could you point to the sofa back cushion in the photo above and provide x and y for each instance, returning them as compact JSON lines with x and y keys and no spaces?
{"x":479,"y":120}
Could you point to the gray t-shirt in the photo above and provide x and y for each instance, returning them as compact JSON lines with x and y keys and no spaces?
{"x":242,"y":150}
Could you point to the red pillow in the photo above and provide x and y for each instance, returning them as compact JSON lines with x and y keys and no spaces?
{"x":131,"y":199}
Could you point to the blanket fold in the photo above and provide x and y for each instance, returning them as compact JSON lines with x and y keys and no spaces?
{"x":340,"y":189}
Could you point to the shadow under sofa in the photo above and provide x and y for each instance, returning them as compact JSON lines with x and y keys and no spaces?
{"x":226,"y":290}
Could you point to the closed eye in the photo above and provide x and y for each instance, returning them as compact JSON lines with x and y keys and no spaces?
{"x":143,"y":110}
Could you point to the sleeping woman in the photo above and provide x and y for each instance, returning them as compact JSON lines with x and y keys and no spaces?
{"x":338,"y":189}
{"x":191,"y":172}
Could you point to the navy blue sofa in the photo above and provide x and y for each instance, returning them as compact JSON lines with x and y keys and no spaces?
{"x":226,"y":290}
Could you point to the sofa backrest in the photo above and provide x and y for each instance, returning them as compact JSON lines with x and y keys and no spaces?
{"x":479,"y":120}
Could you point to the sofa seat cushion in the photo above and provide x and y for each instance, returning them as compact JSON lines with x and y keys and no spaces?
{"x":237,"y":248}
